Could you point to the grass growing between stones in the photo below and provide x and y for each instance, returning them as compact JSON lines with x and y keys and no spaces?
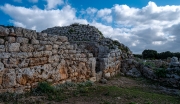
{"x":88,"y":92}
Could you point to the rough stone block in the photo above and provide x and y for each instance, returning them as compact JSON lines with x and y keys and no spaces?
{"x":1,"y":67}
{"x":11,"y":39}
{"x":18,"y":31}
{"x":4,"y":55}
{"x":38,"y":61}
{"x":34,"y":41}
{"x":63,"y":38}
{"x":48,"y":47}
{"x":4,"y":31}
{"x":14,"y":47}
{"x":9,"y":78}
{"x":22,"y":40}
{"x":27,"y":48}
{"x":2,"y":48}
{"x":1,"y":41}
{"x":38,"y":54}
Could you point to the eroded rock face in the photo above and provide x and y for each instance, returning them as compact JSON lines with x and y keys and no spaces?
{"x":174,"y":61}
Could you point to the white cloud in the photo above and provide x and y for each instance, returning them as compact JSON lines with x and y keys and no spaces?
{"x":52,"y":4}
{"x":151,"y":27}
{"x":35,"y":18}
{"x":33,"y":1}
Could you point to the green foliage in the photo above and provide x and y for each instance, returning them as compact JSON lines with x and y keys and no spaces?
{"x":161,"y":72}
{"x":149,"y":64}
{"x":152,"y":54}
{"x":71,"y":30}
{"x":149,"y":54}
{"x":44,"y":87}
{"x":138,"y":55}
{"x":102,"y":36}
{"x":74,"y":24}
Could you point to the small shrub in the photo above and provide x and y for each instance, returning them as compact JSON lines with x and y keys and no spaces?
{"x":161,"y":72}
{"x":149,"y":64}
{"x":44,"y":87}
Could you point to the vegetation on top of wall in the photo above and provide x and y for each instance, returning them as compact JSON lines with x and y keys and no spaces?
{"x":74,"y":24}
{"x":102,"y":36}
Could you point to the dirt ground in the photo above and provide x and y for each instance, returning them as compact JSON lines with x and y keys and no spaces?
{"x":122,"y":82}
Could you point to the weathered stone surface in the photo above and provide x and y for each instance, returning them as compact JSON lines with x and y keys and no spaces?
{"x":4,"y":55}
{"x":1,"y":66}
{"x":2,"y":48}
{"x":38,"y":61}
{"x":4,"y":31}
{"x":133,"y":73}
{"x":14,"y":47}
{"x":92,"y":79}
{"x":9,"y":78}
{"x":107,"y":75}
{"x":1,"y":41}
{"x":174,"y":61}
{"x":34,"y":41}
{"x":63,"y":38}
{"x":48,"y":47}
{"x":27,"y":48}
{"x":40,"y":57}
{"x":22,"y":40}
{"x":11,"y":39}
{"x":18,"y":31}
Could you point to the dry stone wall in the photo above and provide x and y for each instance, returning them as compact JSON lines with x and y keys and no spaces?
{"x":107,"y":54}
{"x":28,"y":57}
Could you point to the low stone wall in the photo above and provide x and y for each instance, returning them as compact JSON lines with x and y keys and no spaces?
{"x":28,"y":57}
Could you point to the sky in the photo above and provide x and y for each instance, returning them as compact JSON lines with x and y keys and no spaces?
{"x":138,"y":24}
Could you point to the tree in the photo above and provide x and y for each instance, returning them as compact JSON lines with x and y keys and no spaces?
{"x":149,"y":54}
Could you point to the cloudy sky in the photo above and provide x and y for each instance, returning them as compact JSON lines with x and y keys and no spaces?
{"x":139,"y":24}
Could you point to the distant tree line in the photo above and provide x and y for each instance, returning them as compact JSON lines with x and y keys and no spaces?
{"x":153,"y":54}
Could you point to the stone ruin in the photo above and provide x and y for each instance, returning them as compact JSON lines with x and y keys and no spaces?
{"x":74,"y":53}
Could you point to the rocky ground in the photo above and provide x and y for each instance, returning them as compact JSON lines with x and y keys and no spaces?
{"x":118,"y":90}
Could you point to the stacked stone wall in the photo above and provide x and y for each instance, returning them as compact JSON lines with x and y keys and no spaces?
{"x":28,"y":57}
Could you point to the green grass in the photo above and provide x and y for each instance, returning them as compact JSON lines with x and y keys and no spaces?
{"x":137,"y":95}
{"x":105,"y":94}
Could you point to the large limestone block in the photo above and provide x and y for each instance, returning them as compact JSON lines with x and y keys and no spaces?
{"x":14,"y":47}
{"x":18,"y":31}
{"x":30,"y":34}
{"x":4,"y":31}
{"x":38,"y":54}
{"x":1,"y":66}
{"x":34,"y":41}
{"x":48,"y":47}
{"x":1,"y":41}
{"x":11,"y":39}
{"x":22,"y":40}
{"x":54,"y":58}
{"x":11,"y":62}
{"x":4,"y":55}
{"x":47,"y":53}
{"x":63,"y":38}
{"x":93,"y":79}
{"x":38,"y":61}
{"x":27,"y":48}
{"x":9,"y":78}
{"x":21,"y":54}
{"x":2,"y":48}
